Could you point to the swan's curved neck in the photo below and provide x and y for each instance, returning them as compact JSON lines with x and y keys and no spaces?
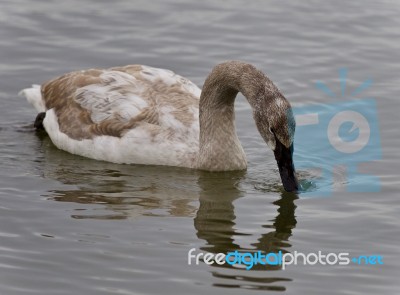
{"x":220,"y":148}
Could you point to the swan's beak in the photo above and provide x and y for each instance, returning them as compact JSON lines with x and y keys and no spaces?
{"x":284,"y":158}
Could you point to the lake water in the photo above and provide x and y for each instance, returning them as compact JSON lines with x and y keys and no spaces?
{"x":70,"y":225}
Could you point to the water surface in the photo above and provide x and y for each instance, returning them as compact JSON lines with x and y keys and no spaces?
{"x":70,"y":225}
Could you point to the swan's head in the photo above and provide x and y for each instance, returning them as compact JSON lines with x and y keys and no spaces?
{"x":276,"y":124}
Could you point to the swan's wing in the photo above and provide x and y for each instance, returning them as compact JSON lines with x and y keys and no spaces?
{"x":117,"y":100}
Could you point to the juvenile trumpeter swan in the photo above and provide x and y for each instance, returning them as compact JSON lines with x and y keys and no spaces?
{"x":144,"y":115}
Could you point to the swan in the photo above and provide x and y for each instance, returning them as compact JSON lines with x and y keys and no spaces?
{"x":138,"y":114}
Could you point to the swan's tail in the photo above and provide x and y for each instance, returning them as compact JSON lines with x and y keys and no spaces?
{"x":33,"y":96}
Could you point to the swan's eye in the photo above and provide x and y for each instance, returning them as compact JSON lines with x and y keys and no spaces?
{"x":271,"y":130}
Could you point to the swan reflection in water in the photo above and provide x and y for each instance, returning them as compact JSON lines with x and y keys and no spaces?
{"x":215,"y":224}
{"x":130,"y":192}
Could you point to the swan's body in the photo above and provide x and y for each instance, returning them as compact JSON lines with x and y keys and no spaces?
{"x":143,"y":115}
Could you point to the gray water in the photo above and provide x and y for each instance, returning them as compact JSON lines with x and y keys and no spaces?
{"x":70,"y":225}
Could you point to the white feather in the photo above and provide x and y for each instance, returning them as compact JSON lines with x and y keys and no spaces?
{"x":34,"y":97}
{"x":105,"y":101}
{"x":168,"y":77}
{"x":136,"y":146}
